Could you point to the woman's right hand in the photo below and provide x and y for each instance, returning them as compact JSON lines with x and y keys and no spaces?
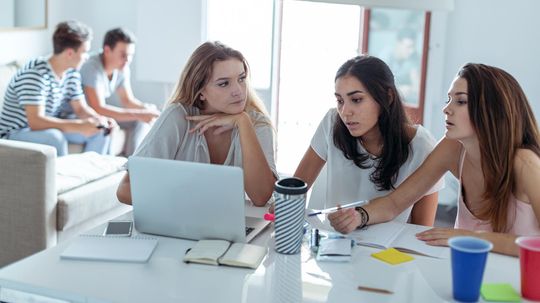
{"x":345,"y":220}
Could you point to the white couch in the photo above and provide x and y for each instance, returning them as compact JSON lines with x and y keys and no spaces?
{"x":45,"y":199}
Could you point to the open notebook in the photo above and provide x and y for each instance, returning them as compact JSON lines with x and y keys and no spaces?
{"x":221,"y":252}
{"x":110,"y":248}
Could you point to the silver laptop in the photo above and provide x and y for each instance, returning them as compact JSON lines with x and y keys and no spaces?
{"x":190,"y":200}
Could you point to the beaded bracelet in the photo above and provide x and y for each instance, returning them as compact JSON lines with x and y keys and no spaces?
{"x":364,"y":216}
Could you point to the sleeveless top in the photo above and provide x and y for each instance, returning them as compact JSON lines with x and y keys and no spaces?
{"x":521,"y":218}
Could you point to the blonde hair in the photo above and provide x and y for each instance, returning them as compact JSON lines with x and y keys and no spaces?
{"x":197,"y":73}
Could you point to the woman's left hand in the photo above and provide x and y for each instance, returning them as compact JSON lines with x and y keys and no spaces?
{"x":439,"y":236}
{"x":222,"y":122}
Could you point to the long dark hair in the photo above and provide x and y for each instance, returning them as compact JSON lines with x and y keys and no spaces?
{"x":504,"y":122}
{"x":378,"y":79}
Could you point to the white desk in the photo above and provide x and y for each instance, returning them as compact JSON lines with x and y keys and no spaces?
{"x":280,"y":278}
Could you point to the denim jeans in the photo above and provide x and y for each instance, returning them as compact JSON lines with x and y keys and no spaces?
{"x":98,"y":143}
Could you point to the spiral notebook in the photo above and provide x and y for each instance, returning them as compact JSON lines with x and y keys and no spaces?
{"x":110,"y":248}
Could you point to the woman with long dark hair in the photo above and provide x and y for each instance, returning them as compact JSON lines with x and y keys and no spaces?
{"x":367,"y":142}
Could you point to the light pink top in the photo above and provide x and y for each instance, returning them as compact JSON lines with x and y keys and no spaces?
{"x":521,"y":216}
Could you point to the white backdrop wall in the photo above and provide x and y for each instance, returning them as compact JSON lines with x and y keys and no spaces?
{"x":495,"y":32}
{"x":23,"y":44}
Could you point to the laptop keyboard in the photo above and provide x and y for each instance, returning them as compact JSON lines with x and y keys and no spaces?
{"x":248,"y":230}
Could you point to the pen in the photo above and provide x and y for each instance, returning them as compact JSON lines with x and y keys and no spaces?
{"x":377,"y":290}
{"x":333,"y":209}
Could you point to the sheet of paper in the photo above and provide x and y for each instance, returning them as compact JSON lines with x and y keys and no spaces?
{"x":378,"y":235}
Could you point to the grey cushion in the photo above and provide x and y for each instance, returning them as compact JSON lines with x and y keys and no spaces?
{"x":83,"y":203}
{"x":75,"y":170}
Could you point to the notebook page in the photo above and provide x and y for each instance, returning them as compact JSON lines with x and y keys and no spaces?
{"x":207,"y":251}
{"x":408,"y":242}
{"x":244,"y":255}
{"x":110,"y":248}
{"x":378,"y":235}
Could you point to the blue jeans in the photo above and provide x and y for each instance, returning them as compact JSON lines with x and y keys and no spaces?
{"x":98,"y":143}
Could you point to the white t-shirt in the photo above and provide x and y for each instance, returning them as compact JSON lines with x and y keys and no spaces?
{"x":343,"y":182}
{"x":170,"y":139}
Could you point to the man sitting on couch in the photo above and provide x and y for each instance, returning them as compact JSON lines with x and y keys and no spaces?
{"x":37,"y":93}
{"x":106,"y":74}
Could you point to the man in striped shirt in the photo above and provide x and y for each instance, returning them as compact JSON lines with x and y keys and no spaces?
{"x":37,"y":93}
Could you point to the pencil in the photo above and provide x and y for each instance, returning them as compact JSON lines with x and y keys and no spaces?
{"x":377,"y":290}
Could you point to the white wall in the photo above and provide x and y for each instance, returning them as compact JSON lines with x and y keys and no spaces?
{"x":23,"y":44}
{"x":495,"y":32}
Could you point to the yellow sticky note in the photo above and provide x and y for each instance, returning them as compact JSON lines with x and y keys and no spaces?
{"x":392,"y":256}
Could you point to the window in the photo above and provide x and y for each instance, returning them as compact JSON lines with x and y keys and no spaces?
{"x":312,"y":50}
{"x":246,"y":26}
{"x":311,"y":41}
{"x":398,"y":36}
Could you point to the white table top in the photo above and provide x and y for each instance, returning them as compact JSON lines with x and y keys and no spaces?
{"x":280,"y":278}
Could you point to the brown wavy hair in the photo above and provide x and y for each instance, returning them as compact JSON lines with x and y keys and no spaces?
{"x":197,"y":73}
{"x":378,"y":79}
{"x":504,"y":122}
{"x":70,"y":34}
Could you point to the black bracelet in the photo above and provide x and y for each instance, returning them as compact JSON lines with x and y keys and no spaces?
{"x":364,"y":216}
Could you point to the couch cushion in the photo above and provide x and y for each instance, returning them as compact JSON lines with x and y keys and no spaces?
{"x":75,"y":170}
{"x":85,"y":203}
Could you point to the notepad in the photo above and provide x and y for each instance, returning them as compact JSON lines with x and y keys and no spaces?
{"x":336,"y":250}
{"x":392,"y":256}
{"x":222,"y":252}
{"x":499,"y":292}
{"x":110,"y":248}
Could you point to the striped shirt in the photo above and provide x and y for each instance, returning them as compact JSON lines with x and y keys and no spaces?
{"x":36,"y":84}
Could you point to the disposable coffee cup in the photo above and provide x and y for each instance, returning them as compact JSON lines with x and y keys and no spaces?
{"x":468,"y":256}
{"x":289,"y":212}
{"x":529,"y":261}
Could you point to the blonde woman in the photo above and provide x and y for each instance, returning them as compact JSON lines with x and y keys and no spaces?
{"x":215,"y":117}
